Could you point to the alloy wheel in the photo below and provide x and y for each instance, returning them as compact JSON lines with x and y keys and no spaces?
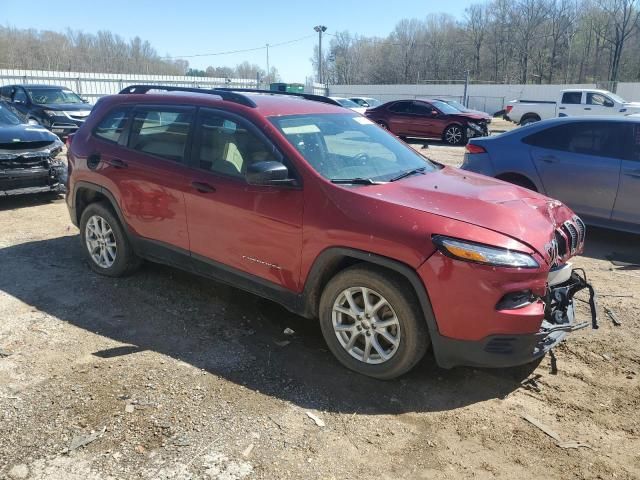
{"x":453,"y":135}
{"x":366,"y":325}
{"x":101,"y":241}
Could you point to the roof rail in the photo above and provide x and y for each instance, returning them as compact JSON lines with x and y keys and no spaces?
{"x":225,"y":94}
{"x":308,"y":96}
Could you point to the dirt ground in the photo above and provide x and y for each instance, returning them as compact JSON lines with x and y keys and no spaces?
{"x":165,"y":375}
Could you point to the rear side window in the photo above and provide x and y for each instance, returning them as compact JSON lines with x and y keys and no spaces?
{"x":161,"y":132}
{"x":400,"y":107}
{"x":112,"y":125}
{"x":20,"y":96}
{"x":420,"y":108}
{"x":604,"y":139}
{"x":572,"y":98}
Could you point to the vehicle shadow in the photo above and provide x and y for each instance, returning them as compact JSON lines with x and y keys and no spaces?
{"x":15,"y":202}
{"x":229,"y":333}
{"x":620,"y":248}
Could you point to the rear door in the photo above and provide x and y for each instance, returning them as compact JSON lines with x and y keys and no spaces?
{"x":571,"y":104}
{"x":399,"y":118}
{"x":579,"y":164}
{"x":627,"y":206}
{"x":145,"y":169}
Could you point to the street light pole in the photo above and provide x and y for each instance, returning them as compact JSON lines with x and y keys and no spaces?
{"x":320,"y":29}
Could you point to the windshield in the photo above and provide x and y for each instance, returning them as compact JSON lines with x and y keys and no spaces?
{"x":616,"y":98}
{"x":457,"y":105}
{"x":343,"y":146}
{"x":345,"y":102}
{"x":445,"y":107}
{"x":7,"y":118}
{"x":372,"y":102}
{"x":46,"y":96}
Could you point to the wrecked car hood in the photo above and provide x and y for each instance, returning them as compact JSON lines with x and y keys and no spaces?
{"x":522,"y":214}
{"x":24,"y":133}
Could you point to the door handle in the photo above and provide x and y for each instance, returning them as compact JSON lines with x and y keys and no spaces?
{"x":93,"y":160}
{"x":549,"y":159}
{"x":116,"y":163}
{"x":562,"y":108}
{"x":203,"y":187}
{"x":587,"y":108}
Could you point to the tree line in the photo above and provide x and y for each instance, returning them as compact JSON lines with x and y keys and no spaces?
{"x":104,"y":52}
{"x":501,"y":41}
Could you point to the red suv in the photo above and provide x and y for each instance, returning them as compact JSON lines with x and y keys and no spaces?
{"x":429,"y":119}
{"x":300,"y":201}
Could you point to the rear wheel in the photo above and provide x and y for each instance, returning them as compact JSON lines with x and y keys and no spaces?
{"x":384,"y":125}
{"x":372,"y":323}
{"x":519,"y":180}
{"x":454,"y":135}
{"x":529,"y":119}
{"x":105,"y":244}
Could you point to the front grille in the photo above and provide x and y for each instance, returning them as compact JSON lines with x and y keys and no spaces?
{"x":22,"y":162}
{"x":25,"y":145}
{"x":570,"y":237}
{"x":16,"y":183}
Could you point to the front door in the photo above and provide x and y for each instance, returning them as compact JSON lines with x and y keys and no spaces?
{"x":598,"y":104}
{"x":579,"y":164}
{"x":253,"y":230}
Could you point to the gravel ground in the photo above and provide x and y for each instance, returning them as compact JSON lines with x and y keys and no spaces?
{"x":165,"y":375}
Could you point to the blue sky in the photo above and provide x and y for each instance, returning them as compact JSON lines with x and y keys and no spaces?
{"x":192,"y":27}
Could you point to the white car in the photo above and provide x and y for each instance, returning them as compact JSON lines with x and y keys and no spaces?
{"x":366,"y":102}
{"x":346,"y":103}
{"x":574,"y":102}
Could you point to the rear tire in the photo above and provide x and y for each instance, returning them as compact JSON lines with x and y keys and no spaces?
{"x":383,"y":336}
{"x":105,"y":244}
{"x":529,"y":119}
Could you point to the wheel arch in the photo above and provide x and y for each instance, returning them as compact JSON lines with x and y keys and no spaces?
{"x":335,"y":259}
{"x":519,"y":179}
{"x":85,"y":193}
{"x":530,"y":115}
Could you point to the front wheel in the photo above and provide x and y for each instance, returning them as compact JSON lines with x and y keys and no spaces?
{"x":372,"y":323}
{"x":454,"y":135}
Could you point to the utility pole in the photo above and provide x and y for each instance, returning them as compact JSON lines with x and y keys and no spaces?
{"x":268,"y":71}
{"x":465,"y":99}
{"x":320,"y":29}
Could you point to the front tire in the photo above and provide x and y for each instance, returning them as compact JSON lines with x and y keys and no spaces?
{"x":105,"y":244}
{"x":454,"y":135}
{"x":372,"y":323}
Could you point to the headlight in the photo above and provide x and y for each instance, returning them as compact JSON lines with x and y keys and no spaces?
{"x":474,"y":126}
{"x":478,"y":253}
{"x":51,"y":113}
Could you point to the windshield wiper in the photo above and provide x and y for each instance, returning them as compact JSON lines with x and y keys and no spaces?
{"x":409,"y":173}
{"x":356,"y":181}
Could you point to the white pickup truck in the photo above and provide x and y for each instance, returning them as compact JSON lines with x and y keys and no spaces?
{"x":576,"y":102}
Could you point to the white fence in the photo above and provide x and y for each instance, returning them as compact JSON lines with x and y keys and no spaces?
{"x":488,"y":98}
{"x":95,"y":85}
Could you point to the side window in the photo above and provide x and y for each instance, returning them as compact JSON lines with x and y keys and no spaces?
{"x":420,"y":108}
{"x":572,"y":98}
{"x":599,"y":99}
{"x":604,"y":139}
{"x":635,"y":145}
{"x":554,"y":138}
{"x":161,"y":132}
{"x":227,"y":147}
{"x":20,"y":96}
{"x":112,"y":124}
{"x":400,"y":107}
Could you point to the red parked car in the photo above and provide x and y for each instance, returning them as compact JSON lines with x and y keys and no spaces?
{"x":429,"y":119}
{"x":298,"y":200}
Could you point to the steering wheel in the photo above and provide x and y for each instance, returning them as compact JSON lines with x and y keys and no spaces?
{"x":362,"y":157}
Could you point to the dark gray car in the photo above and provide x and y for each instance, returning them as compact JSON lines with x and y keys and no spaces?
{"x":591,"y":164}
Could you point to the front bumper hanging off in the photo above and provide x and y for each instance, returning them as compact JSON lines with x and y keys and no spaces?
{"x":518,"y":349}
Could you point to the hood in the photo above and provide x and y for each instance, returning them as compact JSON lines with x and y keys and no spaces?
{"x":66,"y":107}
{"x":632,"y":105}
{"x":25,"y":133}
{"x":474,"y":117}
{"x":522,"y":214}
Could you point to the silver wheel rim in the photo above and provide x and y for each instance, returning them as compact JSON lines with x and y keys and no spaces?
{"x":366,"y":325}
{"x":453,"y":135}
{"x":101,"y":241}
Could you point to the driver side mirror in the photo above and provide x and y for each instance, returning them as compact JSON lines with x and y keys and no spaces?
{"x":269,"y":173}
{"x":434,"y":113}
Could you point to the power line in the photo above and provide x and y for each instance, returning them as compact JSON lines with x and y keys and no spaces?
{"x":230,"y":52}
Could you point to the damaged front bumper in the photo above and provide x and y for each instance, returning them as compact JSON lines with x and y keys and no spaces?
{"x":505,"y":350}
{"x":45,"y":175}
